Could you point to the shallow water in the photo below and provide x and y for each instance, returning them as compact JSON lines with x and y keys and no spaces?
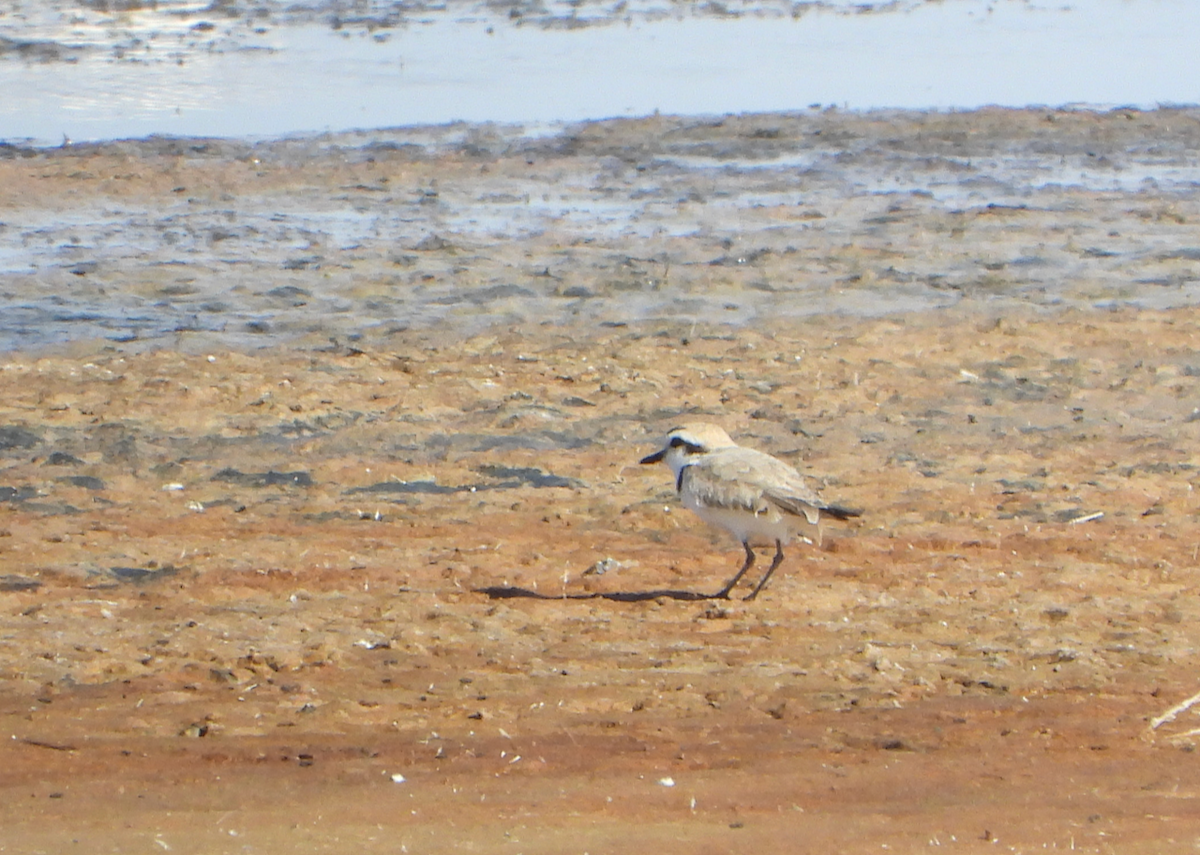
{"x":181,"y":69}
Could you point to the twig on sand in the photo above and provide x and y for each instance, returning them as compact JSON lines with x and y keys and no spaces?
{"x":1169,"y":715}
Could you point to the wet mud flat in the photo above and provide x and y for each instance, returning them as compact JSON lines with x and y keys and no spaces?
{"x":361,"y":237}
{"x":329,"y":594}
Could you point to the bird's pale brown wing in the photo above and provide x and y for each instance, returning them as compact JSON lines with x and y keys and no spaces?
{"x":719,"y":486}
{"x":745,"y":478}
{"x":784,"y":486}
{"x":800,"y":498}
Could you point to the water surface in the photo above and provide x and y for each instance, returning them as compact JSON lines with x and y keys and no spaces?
{"x":180,"y":69}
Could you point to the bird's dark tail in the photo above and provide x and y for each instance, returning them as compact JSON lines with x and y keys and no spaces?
{"x":840,"y":513}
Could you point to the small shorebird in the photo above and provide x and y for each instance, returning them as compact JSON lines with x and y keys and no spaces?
{"x":752,"y":495}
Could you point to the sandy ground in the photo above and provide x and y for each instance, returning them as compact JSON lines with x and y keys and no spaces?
{"x":333,"y":599}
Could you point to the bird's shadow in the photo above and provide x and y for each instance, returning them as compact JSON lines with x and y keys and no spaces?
{"x":512,"y":592}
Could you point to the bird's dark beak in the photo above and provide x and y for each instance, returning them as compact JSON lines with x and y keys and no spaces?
{"x":655,"y":457}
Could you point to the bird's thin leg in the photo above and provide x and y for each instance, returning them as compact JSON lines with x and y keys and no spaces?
{"x":763,"y":582}
{"x":723,"y":594}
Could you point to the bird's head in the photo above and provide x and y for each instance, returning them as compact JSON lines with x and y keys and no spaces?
{"x":686,"y":442}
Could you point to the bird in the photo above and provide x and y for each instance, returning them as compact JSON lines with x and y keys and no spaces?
{"x":757,"y":498}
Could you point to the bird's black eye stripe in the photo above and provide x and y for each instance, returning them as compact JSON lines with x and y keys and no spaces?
{"x":689,"y":447}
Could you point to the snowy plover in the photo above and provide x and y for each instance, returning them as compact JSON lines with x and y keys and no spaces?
{"x":752,"y":495}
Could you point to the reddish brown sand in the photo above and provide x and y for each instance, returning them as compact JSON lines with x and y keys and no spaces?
{"x":963,"y":667}
{"x":310,"y":598}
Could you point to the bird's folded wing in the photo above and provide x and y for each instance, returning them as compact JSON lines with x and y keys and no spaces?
{"x":809,"y":508}
{"x":746,"y":478}
{"x":715,"y":488}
